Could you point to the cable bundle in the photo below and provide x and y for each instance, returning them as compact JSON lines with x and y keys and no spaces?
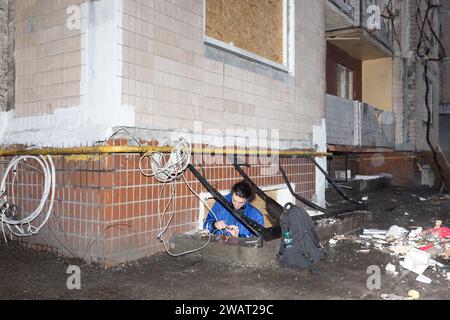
{"x":169,"y":172}
{"x":172,"y":169}
{"x":22,"y":227}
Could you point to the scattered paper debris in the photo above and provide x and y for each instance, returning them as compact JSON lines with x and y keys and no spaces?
{"x":390,"y":296}
{"x":423,"y":279}
{"x":374,"y":231}
{"x":415,"y":233}
{"x":416,"y":249}
{"x":416,"y":261}
{"x":332,"y":242}
{"x":396,"y":232}
{"x":390,"y":268}
{"x":400,"y":250}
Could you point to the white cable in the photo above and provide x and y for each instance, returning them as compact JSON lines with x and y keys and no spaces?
{"x":161,"y":234}
{"x":16,"y":227}
{"x":172,"y":169}
{"x":169,"y":171}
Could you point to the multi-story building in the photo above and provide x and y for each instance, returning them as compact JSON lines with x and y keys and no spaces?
{"x":375,"y":108}
{"x":252,"y":74}
{"x":84,"y":69}
{"x":444,"y":127}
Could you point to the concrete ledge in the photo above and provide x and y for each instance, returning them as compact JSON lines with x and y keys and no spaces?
{"x":235,"y":255}
{"x":358,"y":187}
{"x":346,"y":223}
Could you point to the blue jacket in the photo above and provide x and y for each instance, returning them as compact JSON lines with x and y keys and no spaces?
{"x":223,"y":214}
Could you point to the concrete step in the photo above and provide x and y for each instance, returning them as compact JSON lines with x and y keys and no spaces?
{"x":357,"y":187}
{"x":229,"y":251}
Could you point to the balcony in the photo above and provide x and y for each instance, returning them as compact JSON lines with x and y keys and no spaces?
{"x":351,"y":27}
{"x":359,"y":125}
{"x":339,"y":14}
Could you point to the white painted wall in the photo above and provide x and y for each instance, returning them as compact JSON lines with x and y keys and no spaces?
{"x":320,"y":140}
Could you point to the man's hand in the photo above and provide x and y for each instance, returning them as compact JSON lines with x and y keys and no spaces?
{"x":233,"y":230}
{"x":220,"y":225}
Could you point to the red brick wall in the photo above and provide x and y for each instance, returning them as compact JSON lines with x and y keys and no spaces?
{"x":401,"y":165}
{"x":106,"y":211}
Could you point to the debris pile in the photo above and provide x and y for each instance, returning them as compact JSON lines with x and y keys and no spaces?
{"x":417,"y":249}
{"x":412,"y":295}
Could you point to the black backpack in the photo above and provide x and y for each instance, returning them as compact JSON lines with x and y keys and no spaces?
{"x":305,"y":249}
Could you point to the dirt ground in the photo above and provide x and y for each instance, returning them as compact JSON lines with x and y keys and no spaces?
{"x":26,"y":274}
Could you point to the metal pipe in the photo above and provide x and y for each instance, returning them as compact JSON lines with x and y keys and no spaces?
{"x":145,"y":149}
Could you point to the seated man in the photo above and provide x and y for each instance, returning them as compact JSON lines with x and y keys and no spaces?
{"x":228,"y":225}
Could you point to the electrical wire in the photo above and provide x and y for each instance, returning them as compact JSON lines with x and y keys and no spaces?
{"x":164,"y":229}
{"x":168,"y":170}
{"x":24,"y":227}
{"x":423,"y":49}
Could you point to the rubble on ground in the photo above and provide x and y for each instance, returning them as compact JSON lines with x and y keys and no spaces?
{"x":417,"y":249}
{"x":412,"y":295}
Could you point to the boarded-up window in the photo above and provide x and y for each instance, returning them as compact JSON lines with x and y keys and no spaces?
{"x":253,"y":25}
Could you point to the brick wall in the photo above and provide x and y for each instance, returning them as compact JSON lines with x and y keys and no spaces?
{"x":106,"y":211}
{"x":167,"y":77}
{"x":420,"y":114}
{"x":3,"y":54}
{"x":445,"y":19}
{"x":48,"y":57}
{"x":401,"y":165}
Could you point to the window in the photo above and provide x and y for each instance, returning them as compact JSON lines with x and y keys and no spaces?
{"x":257,"y":29}
{"x":345,"y":82}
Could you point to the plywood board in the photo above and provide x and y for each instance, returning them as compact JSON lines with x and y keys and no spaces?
{"x":252,"y":25}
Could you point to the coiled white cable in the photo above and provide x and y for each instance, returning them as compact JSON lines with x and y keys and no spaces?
{"x":168,"y":172}
{"x":24,"y":227}
{"x":172,"y":169}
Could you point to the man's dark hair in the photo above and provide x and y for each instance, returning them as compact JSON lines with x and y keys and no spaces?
{"x":243,"y":189}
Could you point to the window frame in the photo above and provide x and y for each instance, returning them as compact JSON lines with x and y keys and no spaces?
{"x":288,"y":41}
{"x":350,"y":80}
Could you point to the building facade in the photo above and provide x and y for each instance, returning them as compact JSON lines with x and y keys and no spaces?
{"x":85,"y":69}
{"x":375,"y":109}
{"x":336,"y":75}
